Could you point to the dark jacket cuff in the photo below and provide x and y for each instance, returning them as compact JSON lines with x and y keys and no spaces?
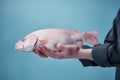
{"x":87,"y":63}
{"x":100,"y":55}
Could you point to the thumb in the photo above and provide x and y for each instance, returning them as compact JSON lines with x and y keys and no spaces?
{"x":59,"y":46}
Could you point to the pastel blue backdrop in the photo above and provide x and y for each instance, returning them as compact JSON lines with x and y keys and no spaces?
{"x":20,"y":17}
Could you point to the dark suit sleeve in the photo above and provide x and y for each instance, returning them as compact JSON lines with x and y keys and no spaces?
{"x":107,"y":54}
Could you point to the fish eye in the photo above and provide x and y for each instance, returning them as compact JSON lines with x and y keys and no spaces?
{"x":23,"y":39}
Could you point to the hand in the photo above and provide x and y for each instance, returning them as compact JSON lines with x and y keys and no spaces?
{"x":65,"y":51}
{"x":38,"y":52}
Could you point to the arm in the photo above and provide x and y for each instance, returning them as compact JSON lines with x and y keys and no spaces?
{"x":102,"y":55}
{"x":108,"y":54}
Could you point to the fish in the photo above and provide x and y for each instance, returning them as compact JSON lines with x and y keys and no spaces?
{"x":50,"y":36}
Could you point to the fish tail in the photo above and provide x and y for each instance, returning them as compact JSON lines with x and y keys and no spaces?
{"x":91,"y":37}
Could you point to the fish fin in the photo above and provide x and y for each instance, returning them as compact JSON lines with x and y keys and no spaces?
{"x":73,"y":31}
{"x":91,"y":37}
{"x":44,"y":41}
{"x":79,"y":43}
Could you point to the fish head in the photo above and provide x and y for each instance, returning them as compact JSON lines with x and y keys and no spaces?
{"x":26,"y":44}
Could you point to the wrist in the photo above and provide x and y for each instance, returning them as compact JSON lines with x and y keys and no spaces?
{"x":85,"y":54}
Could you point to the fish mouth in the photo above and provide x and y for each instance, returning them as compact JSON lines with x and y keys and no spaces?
{"x":18,"y":47}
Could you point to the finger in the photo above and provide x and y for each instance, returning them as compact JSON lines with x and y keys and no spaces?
{"x":52,"y":53}
{"x":59,"y":55}
{"x":46,"y":50}
{"x":37,"y":51}
{"x":42,"y":50}
{"x":71,"y":47}
{"x":42,"y":55}
{"x":59,"y":46}
{"x":34,"y":50}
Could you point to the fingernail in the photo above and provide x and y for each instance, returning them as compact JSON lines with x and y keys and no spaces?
{"x":58,"y":45}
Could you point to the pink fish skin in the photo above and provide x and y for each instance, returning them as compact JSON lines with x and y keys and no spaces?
{"x":48,"y":38}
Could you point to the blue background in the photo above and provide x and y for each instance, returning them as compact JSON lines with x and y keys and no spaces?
{"x":20,"y":17}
